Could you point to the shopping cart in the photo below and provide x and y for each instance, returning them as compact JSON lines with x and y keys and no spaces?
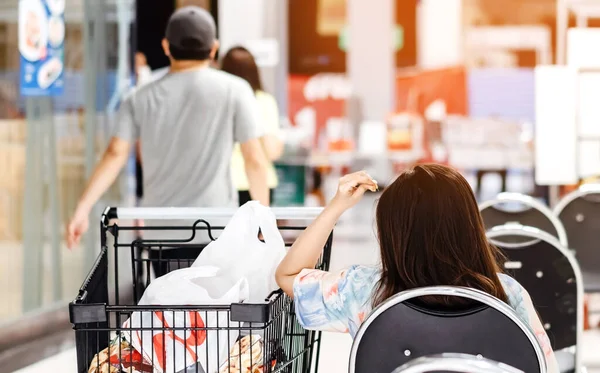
{"x":99,"y":311}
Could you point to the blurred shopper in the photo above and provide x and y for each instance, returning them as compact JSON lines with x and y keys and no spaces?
{"x":240,"y":62}
{"x":187,"y":123}
{"x":143,"y":72}
{"x":143,"y":75}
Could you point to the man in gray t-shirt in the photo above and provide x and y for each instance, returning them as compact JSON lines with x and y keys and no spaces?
{"x":187,"y":123}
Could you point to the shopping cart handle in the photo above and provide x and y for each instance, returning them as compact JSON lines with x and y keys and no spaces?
{"x":183,"y":213}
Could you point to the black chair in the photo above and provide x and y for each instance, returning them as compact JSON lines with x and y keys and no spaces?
{"x":552,"y":277}
{"x":455,"y":363}
{"x":524,"y":210}
{"x":403,"y":328}
{"x":579,"y":212}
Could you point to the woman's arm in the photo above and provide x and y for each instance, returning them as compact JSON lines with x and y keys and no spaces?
{"x":307,"y":249}
{"x":273,"y":146}
{"x":540,"y":333}
{"x":305,"y":252}
{"x":520,"y":300}
{"x":272,"y":142}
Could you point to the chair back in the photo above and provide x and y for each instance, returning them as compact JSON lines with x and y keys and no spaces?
{"x":455,"y":363}
{"x":404,"y":328}
{"x":579,"y":212}
{"x":551,"y":276}
{"x":524,"y":210}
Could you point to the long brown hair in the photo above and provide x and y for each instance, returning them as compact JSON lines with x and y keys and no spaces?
{"x":431,"y":233}
{"x":240,"y":62}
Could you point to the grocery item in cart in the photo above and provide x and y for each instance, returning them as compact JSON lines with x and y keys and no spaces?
{"x":245,"y":356}
{"x":238,"y":250}
{"x":175,"y":339}
{"x":119,"y":357}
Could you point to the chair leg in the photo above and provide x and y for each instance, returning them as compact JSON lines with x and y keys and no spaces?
{"x":479,"y":178}
{"x":503,"y":176}
{"x":586,"y":314}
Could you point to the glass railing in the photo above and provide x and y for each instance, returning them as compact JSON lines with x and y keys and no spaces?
{"x":48,"y":146}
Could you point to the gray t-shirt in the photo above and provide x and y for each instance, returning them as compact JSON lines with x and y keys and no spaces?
{"x":187,"y":124}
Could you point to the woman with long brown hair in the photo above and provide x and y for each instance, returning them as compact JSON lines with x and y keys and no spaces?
{"x":240,"y":62}
{"x":430,"y":234}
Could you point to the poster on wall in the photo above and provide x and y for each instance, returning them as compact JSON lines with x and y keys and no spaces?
{"x":331,"y":17}
{"x":317,"y":41}
{"x":41,"y":47}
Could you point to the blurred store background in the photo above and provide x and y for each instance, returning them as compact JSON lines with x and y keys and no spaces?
{"x":374,"y":85}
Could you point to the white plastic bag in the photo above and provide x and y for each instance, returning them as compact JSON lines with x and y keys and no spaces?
{"x":239,"y":251}
{"x":172,"y":351}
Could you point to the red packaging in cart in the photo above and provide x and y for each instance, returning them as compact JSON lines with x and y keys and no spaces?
{"x":119,"y":357}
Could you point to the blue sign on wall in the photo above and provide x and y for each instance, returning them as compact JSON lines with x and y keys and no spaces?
{"x":41,"y":47}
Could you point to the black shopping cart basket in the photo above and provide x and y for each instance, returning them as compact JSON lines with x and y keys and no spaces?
{"x":233,"y":338}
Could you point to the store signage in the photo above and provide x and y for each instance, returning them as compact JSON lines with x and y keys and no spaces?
{"x":292,"y":186}
{"x":41,"y":47}
{"x":325,"y":86}
{"x":397,"y":38}
{"x":265,"y":51}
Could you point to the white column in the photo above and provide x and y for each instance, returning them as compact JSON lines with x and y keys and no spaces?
{"x":260,"y":26}
{"x":439,"y":33}
{"x":555,"y":125}
{"x":582,"y":20}
{"x":371,"y":57}
{"x":562,"y":19}
{"x":239,"y":21}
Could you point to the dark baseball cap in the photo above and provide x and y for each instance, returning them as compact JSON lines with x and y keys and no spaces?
{"x":191,"y":33}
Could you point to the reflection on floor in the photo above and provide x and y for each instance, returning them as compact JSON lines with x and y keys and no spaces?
{"x":62,"y":362}
{"x":12,"y":268}
{"x":354,"y":244}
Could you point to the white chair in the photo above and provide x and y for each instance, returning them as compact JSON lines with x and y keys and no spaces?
{"x":527,"y":211}
{"x":404,"y":328}
{"x":460,"y":363}
{"x":551,"y":276}
{"x":579,"y":212}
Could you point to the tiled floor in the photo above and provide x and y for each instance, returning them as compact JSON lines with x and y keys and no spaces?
{"x":354,"y":244}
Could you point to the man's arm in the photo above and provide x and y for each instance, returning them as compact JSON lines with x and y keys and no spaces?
{"x":115,"y":156}
{"x":125,"y":133}
{"x":257,"y":165}
{"x":104,"y":175}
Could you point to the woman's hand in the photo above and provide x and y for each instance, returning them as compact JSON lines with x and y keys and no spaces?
{"x":307,"y":249}
{"x":352,"y":188}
